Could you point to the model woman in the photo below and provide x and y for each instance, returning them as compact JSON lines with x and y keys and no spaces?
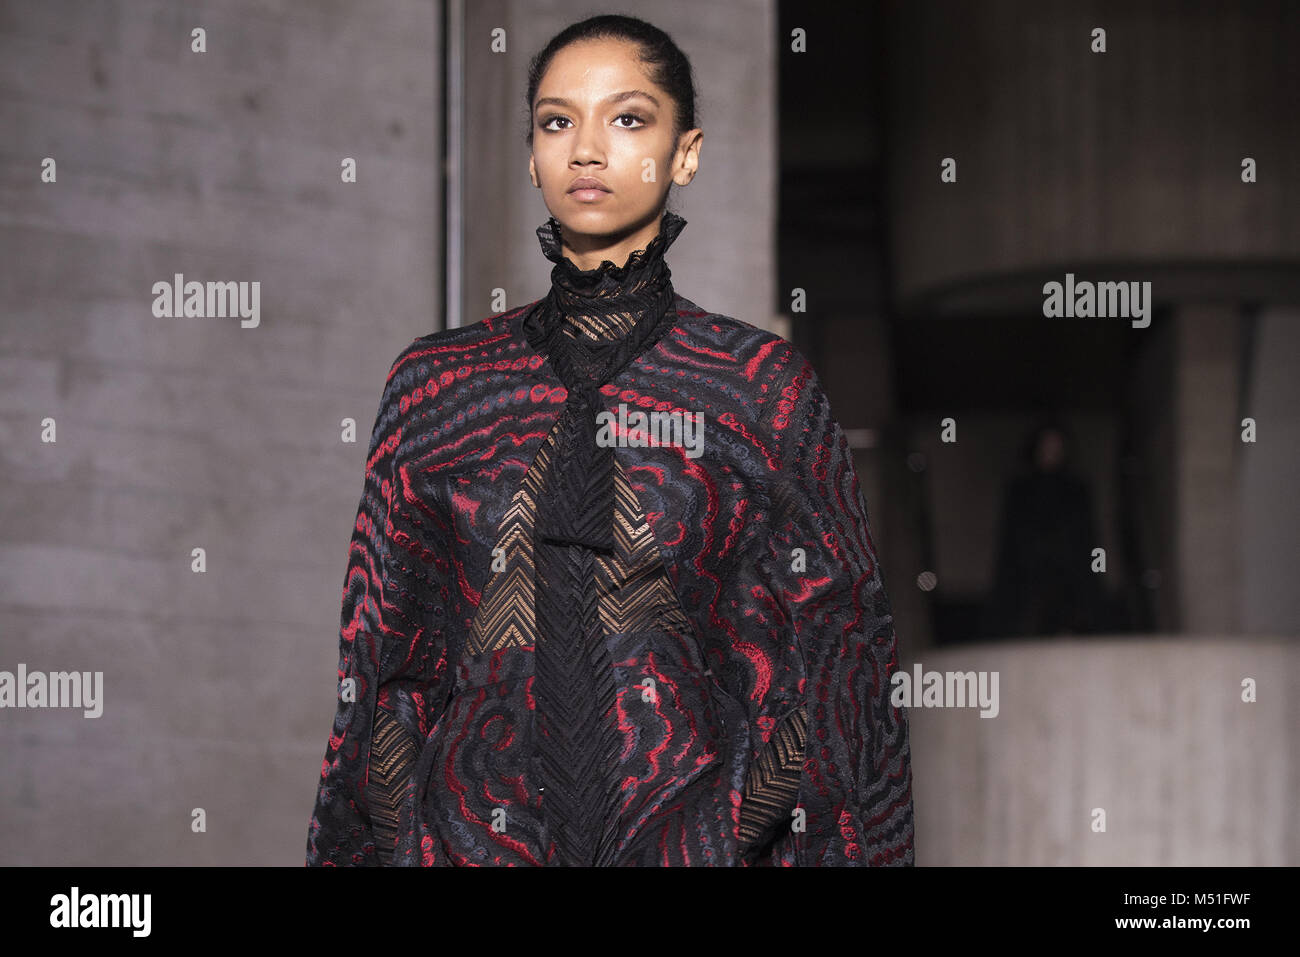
{"x":571,"y":636}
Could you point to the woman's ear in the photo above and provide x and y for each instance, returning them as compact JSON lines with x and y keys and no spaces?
{"x":686,"y":162}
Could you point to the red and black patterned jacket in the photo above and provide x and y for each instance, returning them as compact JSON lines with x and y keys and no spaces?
{"x":751,"y":634}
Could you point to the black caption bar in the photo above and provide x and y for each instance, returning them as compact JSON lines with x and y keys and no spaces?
{"x":329,"y":908}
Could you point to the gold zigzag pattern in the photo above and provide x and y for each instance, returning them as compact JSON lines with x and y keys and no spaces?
{"x":635,"y":593}
{"x":392,"y":758}
{"x":772,"y":787}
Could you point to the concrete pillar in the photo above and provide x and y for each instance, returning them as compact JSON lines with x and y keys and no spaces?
{"x":175,"y":433}
{"x":1209,"y":450}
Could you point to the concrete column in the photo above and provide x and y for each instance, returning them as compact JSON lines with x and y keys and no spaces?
{"x":219,"y":688}
{"x":1208,"y":447}
{"x":1268,"y":478}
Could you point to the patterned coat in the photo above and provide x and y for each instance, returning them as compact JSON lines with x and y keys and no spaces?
{"x":745,"y":614}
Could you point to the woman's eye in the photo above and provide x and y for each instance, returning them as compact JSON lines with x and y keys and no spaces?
{"x":637,"y":121}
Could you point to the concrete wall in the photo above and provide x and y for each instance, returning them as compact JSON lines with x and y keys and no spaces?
{"x":174,"y":434}
{"x":1269,"y":476}
{"x":1151,"y":730}
{"x":1123,"y":164}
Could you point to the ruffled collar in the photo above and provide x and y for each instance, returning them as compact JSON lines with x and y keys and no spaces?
{"x":607,"y":274}
{"x":606,"y":302}
{"x":609,"y":303}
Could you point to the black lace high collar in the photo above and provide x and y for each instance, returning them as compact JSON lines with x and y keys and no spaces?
{"x":624,"y":310}
{"x":607,"y":302}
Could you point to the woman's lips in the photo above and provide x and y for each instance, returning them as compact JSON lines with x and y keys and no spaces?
{"x":588,"y":189}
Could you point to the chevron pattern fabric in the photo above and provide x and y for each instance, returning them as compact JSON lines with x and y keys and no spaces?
{"x":392,"y":758}
{"x":772,"y":787}
{"x":634,"y":591}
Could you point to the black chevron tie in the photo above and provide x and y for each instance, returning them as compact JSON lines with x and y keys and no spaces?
{"x":574,"y":690}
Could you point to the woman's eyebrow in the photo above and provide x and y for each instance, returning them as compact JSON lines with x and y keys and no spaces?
{"x":613,"y":98}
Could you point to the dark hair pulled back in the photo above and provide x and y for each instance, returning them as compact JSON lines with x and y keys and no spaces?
{"x":666,"y":64}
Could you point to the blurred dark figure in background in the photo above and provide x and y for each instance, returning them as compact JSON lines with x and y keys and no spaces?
{"x":1043,"y":583}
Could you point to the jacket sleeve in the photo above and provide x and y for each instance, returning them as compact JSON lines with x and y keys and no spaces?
{"x":389,"y":664}
{"x":856,"y":785}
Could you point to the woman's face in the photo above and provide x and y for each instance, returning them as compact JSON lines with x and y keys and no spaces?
{"x":597,"y":114}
